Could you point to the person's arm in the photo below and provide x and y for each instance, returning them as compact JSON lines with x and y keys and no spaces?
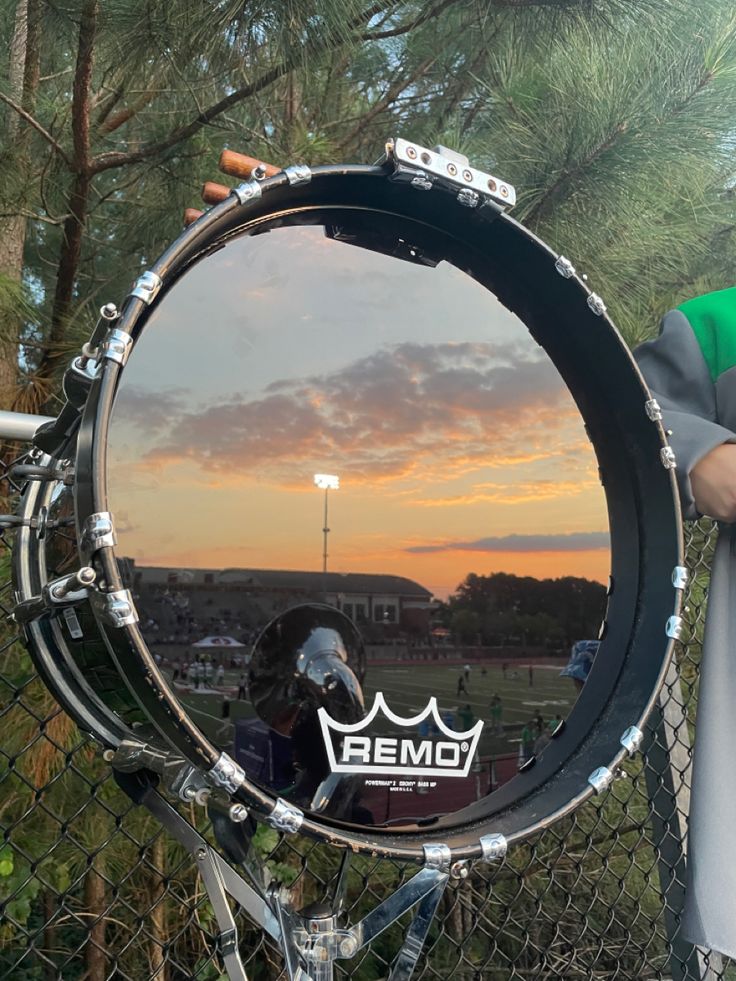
{"x":680,"y":379}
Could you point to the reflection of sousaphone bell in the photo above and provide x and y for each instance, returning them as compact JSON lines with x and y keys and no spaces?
{"x":309,"y":657}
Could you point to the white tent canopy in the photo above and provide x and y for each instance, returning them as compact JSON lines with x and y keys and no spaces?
{"x":218,"y":642}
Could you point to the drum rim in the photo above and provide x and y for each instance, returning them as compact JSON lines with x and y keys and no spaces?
{"x":216,"y":226}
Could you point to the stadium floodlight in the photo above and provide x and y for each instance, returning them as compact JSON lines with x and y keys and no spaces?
{"x":326,"y":482}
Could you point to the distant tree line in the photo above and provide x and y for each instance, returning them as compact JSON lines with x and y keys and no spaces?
{"x":506,"y":610}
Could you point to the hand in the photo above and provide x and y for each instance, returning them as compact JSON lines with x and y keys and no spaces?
{"x":713,"y":481}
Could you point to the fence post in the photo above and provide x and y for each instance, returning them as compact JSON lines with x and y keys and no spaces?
{"x":667,"y":762}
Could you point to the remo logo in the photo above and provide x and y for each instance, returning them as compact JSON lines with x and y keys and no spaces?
{"x":448,"y":754}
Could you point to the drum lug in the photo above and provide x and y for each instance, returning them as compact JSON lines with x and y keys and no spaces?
{"x":227,"y":774}
{"x":146,"y":287}
{"x":600,"y":779}
{"x":116,"y":346}
{"x":674,"y":627}
{"x":468,"y":197}
{"x":298,"y":174}
{"x":421,"y":167}
{"x":596,"y":304}
{"x":98,"y":532}
{"x":437,"y":857}
{"x":116,"y":608}
{"x":564,"y":267}
{"x":632,"y":739}
{"x":493,"y":847}
{"x":667,"y":456}
{"x":285,"y":817}
{"x":653,"y":410}
{"x":248,"y":191}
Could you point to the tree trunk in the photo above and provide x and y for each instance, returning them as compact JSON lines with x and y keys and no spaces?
{"x":71,"y":251}
{"x":94,"y":900}
{"x":157,"y":926}
{"x":78,"y":202}
{"x":49,"y":935}
{"x":23,"y":73}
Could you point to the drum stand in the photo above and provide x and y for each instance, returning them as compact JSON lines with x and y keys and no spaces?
{"x":312,"y":939}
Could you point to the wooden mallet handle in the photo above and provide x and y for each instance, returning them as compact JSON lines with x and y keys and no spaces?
{"x":191,"y":215}
{"x":238,"y":165}
{"x":213,"y":193}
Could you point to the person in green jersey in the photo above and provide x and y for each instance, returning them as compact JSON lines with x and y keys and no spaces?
{"x":691,"y":371}
{"x":528,"y":738}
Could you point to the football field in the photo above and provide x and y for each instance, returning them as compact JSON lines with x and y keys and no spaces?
{"x":548,"y":695}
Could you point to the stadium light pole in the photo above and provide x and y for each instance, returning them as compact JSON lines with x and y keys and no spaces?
{"x":326,"y":482}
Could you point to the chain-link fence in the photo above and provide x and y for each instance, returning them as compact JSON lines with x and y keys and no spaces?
{"x":91,"y":888}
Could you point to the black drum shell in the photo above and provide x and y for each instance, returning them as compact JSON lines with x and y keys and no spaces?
{"x":612,"y":398}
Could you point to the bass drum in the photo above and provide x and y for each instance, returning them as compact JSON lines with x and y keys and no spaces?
{"x":358,"y":466}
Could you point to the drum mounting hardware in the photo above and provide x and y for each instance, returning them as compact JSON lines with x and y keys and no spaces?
{"x":446,"y":167}
{"x":146,"y":287}
{"x":596,"y":304}
{"x":667,"y":456}
{"x":493,"y":847}
{"x":116,"y":346}
{"x":115,"y":608}
{"x":248,"y":191}
{"x":652,"y":409}
{"x":600,"y":779}
{"x":564,"y":267}
{"x":227,"y":773}
{"x":285,"y":817}
{"x":98,"y":532}
{"x":632,"y":739}
{"x":65,"y":591}
{"x":298,"y":174}
{"x":674,"y":627}
{"x":437,"y":857}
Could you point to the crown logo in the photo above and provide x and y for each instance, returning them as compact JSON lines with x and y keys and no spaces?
{"x":446,"y":754}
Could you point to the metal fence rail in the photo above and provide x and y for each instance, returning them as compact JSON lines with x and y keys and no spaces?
{"x":91,"y":889}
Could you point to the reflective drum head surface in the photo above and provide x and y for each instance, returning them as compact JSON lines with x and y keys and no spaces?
{"x":361,"y":518}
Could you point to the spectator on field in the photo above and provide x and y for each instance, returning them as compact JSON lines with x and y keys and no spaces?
{"x":528,"y":738}
{"x":465,"y":718}
{"x":497,"y":715}
{"x":242,"y":693}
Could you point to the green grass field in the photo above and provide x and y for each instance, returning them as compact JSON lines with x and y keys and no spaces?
{"x":549,"y":695}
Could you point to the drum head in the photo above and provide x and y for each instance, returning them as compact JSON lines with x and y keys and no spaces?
{"x":376,"y":468}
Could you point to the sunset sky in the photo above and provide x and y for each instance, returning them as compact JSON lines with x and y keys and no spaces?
{"x":457,"y":445}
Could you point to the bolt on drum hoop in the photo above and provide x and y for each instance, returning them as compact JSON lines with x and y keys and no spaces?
{"x":393,"y":325}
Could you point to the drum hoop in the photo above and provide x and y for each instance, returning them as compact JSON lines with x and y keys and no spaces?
{"x":639,"y":476}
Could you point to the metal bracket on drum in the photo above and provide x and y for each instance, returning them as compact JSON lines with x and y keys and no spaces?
{"x":422,"y":168}
{"x":116,"y":608}
{"x":116,"y":346}
{"x":180,"y":778}
{"x":65,"y":591}
{"x":298,"y":174}
{"x":98,"y":531}
{"x":147,"y":286}
{"x":248,"y":191}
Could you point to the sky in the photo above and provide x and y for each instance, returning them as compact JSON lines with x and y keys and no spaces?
{"x":458,"y":447}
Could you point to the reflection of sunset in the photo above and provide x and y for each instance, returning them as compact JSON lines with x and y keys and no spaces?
{"x":449,"y":428}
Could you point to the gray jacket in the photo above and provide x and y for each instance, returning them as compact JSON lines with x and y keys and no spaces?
{"x":697,"y":394}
